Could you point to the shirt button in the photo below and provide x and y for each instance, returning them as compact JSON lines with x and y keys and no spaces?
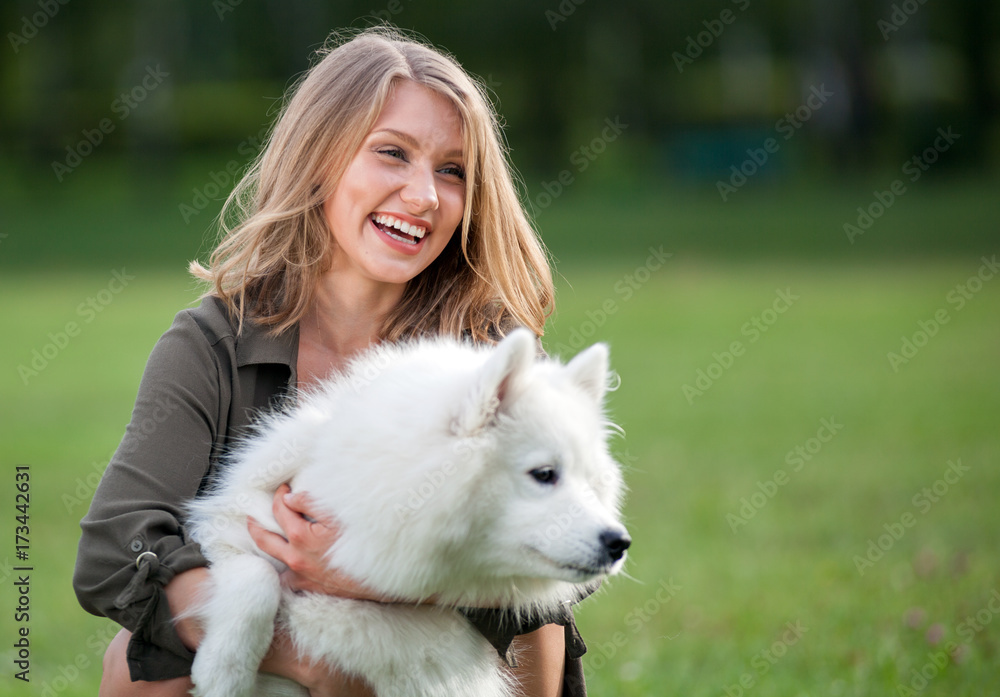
{"x":136,"y":545}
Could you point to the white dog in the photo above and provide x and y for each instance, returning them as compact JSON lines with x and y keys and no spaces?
{"x":458,"y":476}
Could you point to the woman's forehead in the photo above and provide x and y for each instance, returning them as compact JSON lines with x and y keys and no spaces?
{"x":422,"y":117}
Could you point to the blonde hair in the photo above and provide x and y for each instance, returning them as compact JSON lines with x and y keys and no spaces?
{"x":276,"y":244}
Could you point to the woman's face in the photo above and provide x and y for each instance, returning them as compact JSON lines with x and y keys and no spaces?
{"x":403,"y":195}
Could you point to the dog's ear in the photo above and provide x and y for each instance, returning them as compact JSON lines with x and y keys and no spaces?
{"x":498,"y":381}
{"x":589,"y":371}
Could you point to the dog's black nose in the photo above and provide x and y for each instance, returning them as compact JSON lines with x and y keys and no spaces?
{"x":615,"y":543}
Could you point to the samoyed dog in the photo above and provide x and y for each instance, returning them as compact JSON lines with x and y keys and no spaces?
{"x":459,"y":476}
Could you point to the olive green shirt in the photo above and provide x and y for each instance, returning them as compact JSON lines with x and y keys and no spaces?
{"x":200,"y":391}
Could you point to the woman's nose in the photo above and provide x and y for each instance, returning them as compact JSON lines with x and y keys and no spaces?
{"x":420,"y":190}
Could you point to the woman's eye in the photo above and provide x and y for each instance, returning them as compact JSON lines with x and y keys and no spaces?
{"x":455,"y":171}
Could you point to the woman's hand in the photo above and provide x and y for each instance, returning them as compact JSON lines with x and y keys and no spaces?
{"x":307,"y":538}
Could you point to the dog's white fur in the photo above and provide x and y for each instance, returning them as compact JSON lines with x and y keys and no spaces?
{"x":434,"y":459}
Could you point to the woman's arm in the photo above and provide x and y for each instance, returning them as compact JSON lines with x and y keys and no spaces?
{"x":133,"y":542}
{"x":116,"y":682}
{"x":183,"y":592}
{"x":186,"y":590}
{"x":541,"y":661}
{"x":320,"y":679}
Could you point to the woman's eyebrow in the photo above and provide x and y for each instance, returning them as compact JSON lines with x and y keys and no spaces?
{"x":412,"y":142}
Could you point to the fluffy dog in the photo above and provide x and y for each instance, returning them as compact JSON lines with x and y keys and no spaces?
{"x":475,"y":477}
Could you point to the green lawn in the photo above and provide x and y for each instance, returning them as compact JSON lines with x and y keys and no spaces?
{"x":747,"y":555}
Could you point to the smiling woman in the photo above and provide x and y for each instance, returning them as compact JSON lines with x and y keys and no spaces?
{"x":386,"y":107}
{"x":403,"y":195}
{"x":381,"y":208}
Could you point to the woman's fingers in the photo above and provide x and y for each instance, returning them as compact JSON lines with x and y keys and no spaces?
{"x":308,"y":537}
{"x":304,"y":526}
{"x":269,"y":542}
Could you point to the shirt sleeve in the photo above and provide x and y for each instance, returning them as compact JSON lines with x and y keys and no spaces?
{"x":133,"y":542}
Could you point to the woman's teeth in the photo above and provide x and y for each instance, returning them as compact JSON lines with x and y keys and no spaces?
{"x":399,"y":238}
{"x":388,"y":221}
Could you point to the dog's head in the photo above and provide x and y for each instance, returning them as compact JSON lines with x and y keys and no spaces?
{"x":470,"y":474}
{"x":551,"y":488}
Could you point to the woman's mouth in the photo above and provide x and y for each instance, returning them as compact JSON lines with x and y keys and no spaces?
{"x":398,"y":230}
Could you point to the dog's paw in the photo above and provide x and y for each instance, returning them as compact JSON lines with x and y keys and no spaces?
{"x":238,"y":619}
{"x":211,"y":679}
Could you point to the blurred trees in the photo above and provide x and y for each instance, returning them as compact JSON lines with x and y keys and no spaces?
{"x":696,"y":82}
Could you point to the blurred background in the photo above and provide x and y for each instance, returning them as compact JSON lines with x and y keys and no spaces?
{"x":781,"y":216}
{"x":185,"y":90}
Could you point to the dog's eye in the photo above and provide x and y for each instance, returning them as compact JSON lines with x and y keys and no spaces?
{"x":545,"y":475}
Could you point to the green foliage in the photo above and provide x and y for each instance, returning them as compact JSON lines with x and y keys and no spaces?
{"x":675,"y":71}
{"x":141,"y":212}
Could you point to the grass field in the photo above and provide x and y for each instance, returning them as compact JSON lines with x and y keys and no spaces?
{"x":847,"y":567}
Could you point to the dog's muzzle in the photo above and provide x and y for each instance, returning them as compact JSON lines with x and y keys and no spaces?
{"x":615,"y":542}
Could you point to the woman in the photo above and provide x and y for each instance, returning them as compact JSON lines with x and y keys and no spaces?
{"x":382,"y":207}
